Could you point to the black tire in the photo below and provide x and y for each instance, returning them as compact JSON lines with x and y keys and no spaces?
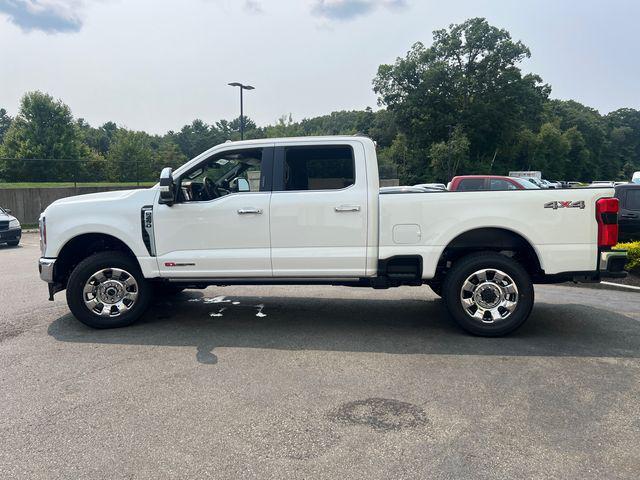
{"x":166,"y":290}
{"x":468,"y":265}
{"x":436,"y":288}
{"x":13,"y":244}
{"x":83,"y":272}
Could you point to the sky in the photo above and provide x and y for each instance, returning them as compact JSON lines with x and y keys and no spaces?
{"x":157,"y":65}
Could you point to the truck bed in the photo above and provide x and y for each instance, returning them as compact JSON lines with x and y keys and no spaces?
{"x":564,"y":238}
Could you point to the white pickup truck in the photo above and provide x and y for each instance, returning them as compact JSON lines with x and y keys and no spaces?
{"x":309,"y":210}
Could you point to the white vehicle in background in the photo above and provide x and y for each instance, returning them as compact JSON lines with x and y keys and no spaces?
{"x":527,"y":174}
{"x":537,"y":182}
{"x":635,"y":178}
{"x":602,"y":183}
{"x":315,"y":215}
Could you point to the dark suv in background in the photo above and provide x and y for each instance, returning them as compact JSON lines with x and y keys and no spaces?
{"x":10,"y":229}
{"x":629,"y":216}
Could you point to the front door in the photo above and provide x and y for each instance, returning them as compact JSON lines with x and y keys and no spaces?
{"x":319,"y":211}
{"x":219,"y":226}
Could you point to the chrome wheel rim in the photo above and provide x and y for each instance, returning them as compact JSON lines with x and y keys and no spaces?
{"x":110,"y":292}
{"x":489,"y":295}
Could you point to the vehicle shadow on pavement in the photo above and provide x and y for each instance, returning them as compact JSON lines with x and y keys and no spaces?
{"x":358,"y":325}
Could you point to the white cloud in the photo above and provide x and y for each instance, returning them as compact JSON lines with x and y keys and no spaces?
{"x":344,"y":10}
{"x":51,"y":16}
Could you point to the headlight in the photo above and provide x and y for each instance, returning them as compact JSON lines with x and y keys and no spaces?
{"x":14,"y":223}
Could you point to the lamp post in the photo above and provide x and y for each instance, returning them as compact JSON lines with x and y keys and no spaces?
{"x":242,"y":87}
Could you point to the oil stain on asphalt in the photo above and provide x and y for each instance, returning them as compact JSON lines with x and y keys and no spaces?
{"x":381,"y":414}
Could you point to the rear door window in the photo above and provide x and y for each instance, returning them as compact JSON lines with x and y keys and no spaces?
{"x":318,"y":168}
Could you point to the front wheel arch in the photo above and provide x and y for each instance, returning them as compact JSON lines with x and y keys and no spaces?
{"x":83,"y":246}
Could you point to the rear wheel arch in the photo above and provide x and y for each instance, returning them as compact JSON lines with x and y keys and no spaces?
{"x":491,"y":239}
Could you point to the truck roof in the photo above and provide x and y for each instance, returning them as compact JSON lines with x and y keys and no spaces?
{"x":318,"y":138}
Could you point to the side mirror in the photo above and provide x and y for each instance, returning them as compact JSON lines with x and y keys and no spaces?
{"x":243,"y":185}
{"x":167,"y":187}
{"x":7,"y":210}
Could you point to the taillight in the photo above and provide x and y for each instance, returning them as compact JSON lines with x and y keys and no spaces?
{"x":607,"y":217}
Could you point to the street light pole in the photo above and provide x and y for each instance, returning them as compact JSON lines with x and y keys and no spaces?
{"x":242,"y":87}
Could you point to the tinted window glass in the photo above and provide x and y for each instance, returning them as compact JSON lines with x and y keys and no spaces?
{"x":318,"y":168}
{"x":499,"y":184}
{"x":469,"y":184}
{"x":633,"y":199}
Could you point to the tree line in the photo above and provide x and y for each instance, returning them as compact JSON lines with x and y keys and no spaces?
{"x":460,"y":106}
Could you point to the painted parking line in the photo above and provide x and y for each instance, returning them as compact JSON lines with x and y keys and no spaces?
{"x":611,"y":284}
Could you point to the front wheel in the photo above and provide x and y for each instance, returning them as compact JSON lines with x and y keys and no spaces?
{"x":107,"y":290}
{"x":488,"y":294}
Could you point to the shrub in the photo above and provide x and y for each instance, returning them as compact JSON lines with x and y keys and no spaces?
{"x":633,"y":249}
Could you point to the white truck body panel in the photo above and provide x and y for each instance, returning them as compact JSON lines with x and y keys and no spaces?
{"x":301,"y":234}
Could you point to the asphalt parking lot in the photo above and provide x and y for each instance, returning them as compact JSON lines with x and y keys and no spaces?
{"x":315,"y":382}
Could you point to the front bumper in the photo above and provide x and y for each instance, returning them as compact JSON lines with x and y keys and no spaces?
{"x":11,"y":235}
{"x":612,"y":264}
{"x":45,"y":267}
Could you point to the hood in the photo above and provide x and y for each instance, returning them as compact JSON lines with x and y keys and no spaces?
{"x":96,"y":197}
{"x":5,"y":216}
{"x":130,"y":200}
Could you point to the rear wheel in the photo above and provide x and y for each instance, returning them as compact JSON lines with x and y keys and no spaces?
{"x":13,"y":244}
{"x":488,"y":294}
{"x":107,"y":290}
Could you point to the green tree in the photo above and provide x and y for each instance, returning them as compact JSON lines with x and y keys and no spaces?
{"x":42,"y":130}
{"x":450,"y":157}
{"x":5,"y":123}
{"x":130,"y":157}
{"x":469,"y":77}
{"x":551,"y":154}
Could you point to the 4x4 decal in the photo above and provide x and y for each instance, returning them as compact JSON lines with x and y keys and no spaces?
{"x":565,"y":204}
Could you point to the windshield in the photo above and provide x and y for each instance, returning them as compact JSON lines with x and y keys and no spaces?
{"x":526,"y":183}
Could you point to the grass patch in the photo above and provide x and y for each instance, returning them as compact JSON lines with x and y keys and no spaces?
{"x":71,"y":184}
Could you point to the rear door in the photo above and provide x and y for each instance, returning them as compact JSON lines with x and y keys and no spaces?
{"x":319,"y":210}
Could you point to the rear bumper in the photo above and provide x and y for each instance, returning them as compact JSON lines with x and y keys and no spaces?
{"x":612,"y":264}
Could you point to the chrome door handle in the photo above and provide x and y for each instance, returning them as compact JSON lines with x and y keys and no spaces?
{"x":245,"y":211}
{"x":348,"y":208}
